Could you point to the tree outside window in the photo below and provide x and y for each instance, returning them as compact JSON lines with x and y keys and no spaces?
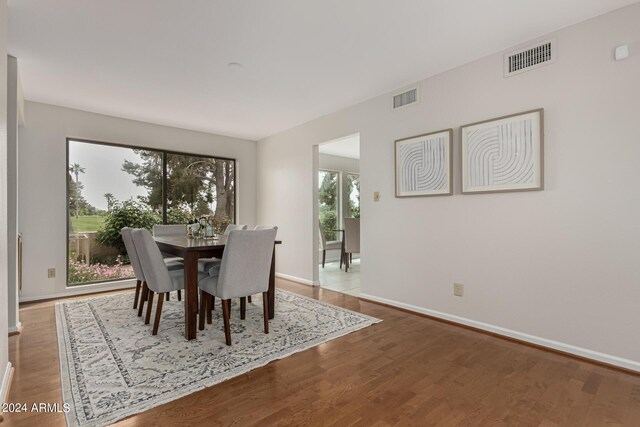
{"x":328,"y":202}
{"x":353,"y":185}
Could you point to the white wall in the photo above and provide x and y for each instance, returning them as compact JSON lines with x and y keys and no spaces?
{"x":559,"y":267}
{"x":13,"y":107}
{"x":4,"y":353}
{"x":42,"y":179}
{"x":338,"y":163}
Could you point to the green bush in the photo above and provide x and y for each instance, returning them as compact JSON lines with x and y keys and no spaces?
{"x":178,"y":216}
{"x":126,"y":214}
{"x":328,"y":222}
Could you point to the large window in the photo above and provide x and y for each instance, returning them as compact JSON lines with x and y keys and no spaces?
{"x":112,"y":186}
{"x":353,"y":191}
{"x":328,"y":192}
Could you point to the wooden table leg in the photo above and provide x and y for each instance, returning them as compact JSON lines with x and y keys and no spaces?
{"x":190,"y":294}
{"x":272,"y":286}
{"x":342,"y":253}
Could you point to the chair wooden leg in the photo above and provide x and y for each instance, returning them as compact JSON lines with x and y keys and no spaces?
{"x":168,"y":294}
{"x":179,"y":295}
{"x":156,"y":323}
{"x":324,"y":257}
{"x":249,"y":299}
{"x":346,"y":262}
{"x":243,"y":308}
{"x":210,"y":301}
{"x":226,"y":312}
{"x":265,"y":311}
{"x":147,"y":318}
{"x":137,"y":295}
{"x":143,"y":297}
{"x":351,"y":258}
{"x":203,"y":310}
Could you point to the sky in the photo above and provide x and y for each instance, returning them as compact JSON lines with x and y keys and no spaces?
{"x":103,"y":172}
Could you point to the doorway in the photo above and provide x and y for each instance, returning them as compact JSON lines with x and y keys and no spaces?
{"x":337,"y":214}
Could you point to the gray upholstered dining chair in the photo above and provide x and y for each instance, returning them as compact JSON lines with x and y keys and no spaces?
{"x":266,"y":227}
{"x":169,"y":230}
{"x":244,"y":271}
{"x":351,"y":240}
{"x":242,"y":300}
{"x":205,"y":264}
{"x":328,"y":245}
{"x":158,"y":277}
{"x":141,"y":284}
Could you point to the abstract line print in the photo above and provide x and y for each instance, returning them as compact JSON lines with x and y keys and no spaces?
{"x":422,"y":165}
{"x":503,"y":155}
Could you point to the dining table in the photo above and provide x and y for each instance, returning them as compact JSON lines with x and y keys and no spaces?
{"x":191,"y":249}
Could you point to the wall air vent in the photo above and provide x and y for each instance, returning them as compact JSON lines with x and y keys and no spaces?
{"x":529,"y":58}
{"x":405,"y":98}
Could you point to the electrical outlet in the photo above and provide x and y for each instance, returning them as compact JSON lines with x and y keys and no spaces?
{"x":51,"y":273}
{"x":376,"y":196}
{"x":458,"y":289}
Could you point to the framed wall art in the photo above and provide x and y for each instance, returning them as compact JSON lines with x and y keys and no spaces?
{"x":424,"y":164}
{"x":503,"y":154}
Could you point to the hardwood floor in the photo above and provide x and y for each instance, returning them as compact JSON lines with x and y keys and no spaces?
{"x":406,"y":370}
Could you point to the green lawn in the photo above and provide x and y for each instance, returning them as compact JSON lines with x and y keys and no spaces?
{"x":86,"y":223}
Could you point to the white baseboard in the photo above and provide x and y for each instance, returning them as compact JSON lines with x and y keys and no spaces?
{"x":15,"y":329}
{"x":82,"y":290}
{"x":6,"y":382}
{"x":543,"y":342}
{"x":296,"y":279}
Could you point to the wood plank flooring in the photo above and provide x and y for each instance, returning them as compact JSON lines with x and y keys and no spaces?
{"x":406,"y":370}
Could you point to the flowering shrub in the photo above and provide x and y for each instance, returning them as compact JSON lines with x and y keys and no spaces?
{"x":80,"y":272}
{"x":125,"y":214}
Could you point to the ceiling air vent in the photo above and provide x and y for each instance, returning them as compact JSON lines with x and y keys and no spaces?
{"x":529,"y":58}
{"x":404,"y":98}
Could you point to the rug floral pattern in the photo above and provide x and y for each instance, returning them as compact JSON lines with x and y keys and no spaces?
{"x":112,"y":367}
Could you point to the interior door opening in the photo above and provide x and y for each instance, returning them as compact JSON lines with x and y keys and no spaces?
{"x":337,"y":217}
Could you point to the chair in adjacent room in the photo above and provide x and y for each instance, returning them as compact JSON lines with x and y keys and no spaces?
{"x":351,"y":240}
{"x":329,"y":245}
{"x":244,"y":271}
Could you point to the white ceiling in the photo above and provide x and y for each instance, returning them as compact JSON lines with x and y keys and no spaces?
{"x":165,"y":61}
{"x":348,"y":146}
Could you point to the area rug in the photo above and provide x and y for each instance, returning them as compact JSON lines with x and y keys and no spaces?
{"x":112,"y":367}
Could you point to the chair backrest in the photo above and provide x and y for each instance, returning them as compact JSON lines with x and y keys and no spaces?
{"x":266,"y":227}
{"x":163,"y":230}
{"x":323,"y":238}
{"x":246,"y":263}
{"x":153,"y":266}
{"x":133,"y":254}
{"x":352,"y":235}
{"x":232,"y":227}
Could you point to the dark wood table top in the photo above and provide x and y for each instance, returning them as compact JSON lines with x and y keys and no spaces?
{"x":186,"y":243}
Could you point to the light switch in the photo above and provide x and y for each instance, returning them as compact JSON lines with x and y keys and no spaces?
{"x":376,"y":196}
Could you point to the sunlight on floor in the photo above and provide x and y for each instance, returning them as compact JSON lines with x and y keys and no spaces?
{"x":335,"y":279}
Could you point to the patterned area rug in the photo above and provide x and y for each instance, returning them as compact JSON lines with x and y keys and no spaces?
{"x":112,"y":367}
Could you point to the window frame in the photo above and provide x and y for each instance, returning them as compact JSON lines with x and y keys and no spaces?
{"x":164,"y":154}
